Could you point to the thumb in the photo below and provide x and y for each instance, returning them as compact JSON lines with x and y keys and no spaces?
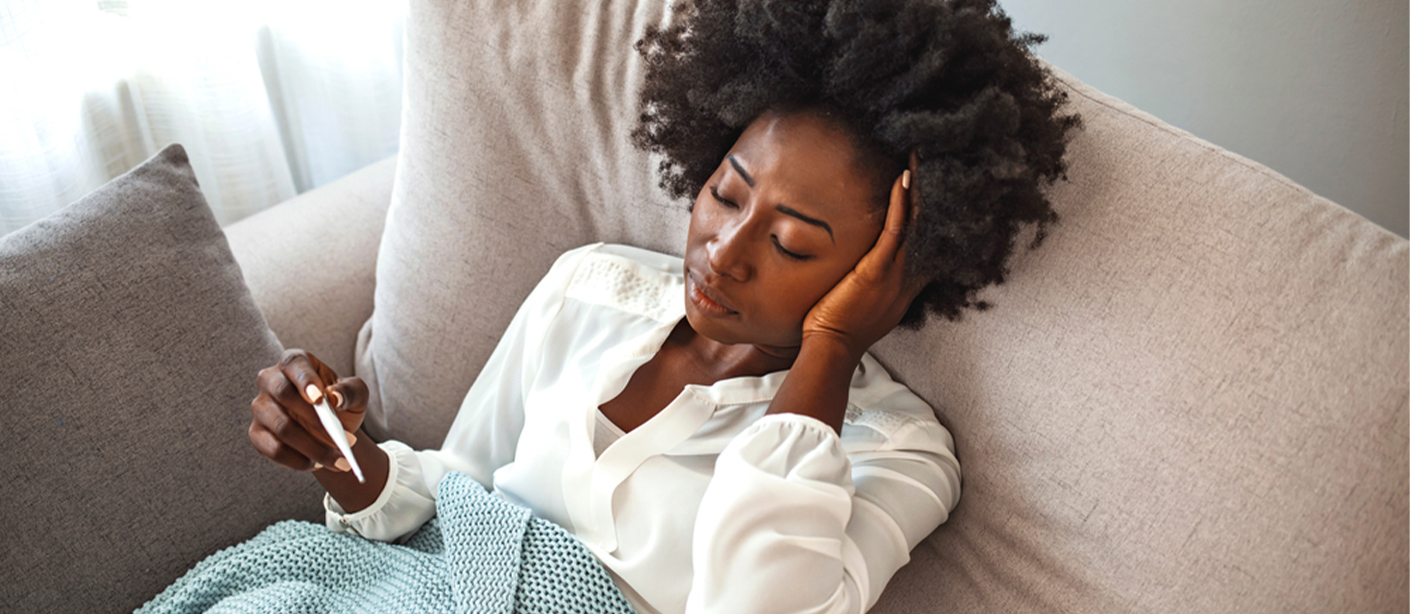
{"x":348,"y":398}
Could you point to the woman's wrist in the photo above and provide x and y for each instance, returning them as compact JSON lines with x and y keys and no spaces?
{"x":343,"y":486}
{"x":818,"y":384}
{"x":833,"y":350}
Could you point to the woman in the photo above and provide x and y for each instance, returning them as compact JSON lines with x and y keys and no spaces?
{"x":711,"y":427}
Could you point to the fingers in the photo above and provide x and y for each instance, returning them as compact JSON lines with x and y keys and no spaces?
{"x":308,"y":374}
{"x":901,"y":212}
{"x":279,"y":436}
{"x":905,"y":204}
{"x":269,"y":446}
{"x":348,"y":397}
{"x":286,"y":429}
{"x":309,"y":378}
{"x":893,"y":231}
{"x":284,"y":393}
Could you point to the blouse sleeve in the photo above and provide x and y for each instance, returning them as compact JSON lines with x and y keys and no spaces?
{"x":485,"y":433}
{"x":790,"y":523}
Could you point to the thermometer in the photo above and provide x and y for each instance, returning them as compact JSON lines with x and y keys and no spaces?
{"x":336,"y":433}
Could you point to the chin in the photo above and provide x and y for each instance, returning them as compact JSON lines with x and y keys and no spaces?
{"x":729,"y":333}
{"x":710,"y":328}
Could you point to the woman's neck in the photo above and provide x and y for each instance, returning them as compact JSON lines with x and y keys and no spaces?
{"x":723,"y":361}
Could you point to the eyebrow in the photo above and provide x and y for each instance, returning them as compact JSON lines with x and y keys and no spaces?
{"x":740,"y":169}
{"x":784,"y":209}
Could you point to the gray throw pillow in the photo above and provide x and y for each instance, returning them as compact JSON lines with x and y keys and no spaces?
{"x":129,"y":346}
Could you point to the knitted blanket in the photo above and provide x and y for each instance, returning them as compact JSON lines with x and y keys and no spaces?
{"x":481,"y":554}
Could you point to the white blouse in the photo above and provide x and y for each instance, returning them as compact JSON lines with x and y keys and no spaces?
{"x":709,"y":506}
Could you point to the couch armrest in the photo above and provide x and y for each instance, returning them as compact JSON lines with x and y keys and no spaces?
{"x":311,"y":261}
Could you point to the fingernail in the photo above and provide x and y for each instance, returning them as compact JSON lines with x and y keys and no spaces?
{"x":337,"y":398}
{"x":317,"y":466}
{"x":352,"y":439}
{"x":314,"y":395}
{"x":342,"y":464}
{"x":906,"y":179}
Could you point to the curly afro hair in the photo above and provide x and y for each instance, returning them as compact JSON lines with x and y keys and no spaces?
{"x":949,"y":80}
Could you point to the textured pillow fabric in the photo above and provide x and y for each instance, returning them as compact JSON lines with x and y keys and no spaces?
{"x":514,"y":150}
{"x":128,"y":349}
{"x":336,"y":227}
{"x":1193,"y":397}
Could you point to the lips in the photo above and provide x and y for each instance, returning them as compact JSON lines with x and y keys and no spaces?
{"x":707,"y":299}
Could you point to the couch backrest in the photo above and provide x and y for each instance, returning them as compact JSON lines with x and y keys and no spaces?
{"x":513,"y":150}
{"x":1193,"y":397}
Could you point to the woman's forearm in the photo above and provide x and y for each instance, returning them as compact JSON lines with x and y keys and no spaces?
{"x":343,"y":485}
{"x":818,"y":382}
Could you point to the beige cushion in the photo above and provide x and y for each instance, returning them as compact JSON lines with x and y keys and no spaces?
{"x":311,"y":261}
{"x":1192,"y":398}
{"x":514,"y":150}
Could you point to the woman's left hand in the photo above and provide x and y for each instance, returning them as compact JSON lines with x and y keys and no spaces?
{"x":871,"y":299}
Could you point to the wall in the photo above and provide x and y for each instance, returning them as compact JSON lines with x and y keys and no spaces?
{"x":1316,"y":90}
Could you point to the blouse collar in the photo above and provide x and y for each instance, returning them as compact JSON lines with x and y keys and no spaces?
{"x":621,"y":361}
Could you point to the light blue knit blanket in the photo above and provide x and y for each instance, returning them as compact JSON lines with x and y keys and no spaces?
{"x":481,"y":554}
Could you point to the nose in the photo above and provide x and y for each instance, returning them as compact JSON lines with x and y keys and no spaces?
{"x":727,"y":253}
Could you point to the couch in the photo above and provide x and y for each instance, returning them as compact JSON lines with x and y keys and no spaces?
{"x":1193,"y":397}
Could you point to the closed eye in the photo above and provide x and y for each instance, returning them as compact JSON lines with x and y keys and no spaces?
{"x":788,"y":254}
{"x":715,"y":191}
{"x":791,"y":255}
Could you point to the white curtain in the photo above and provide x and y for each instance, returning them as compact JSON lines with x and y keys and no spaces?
{"x":269,"y":97}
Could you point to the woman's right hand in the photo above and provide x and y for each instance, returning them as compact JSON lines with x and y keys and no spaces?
{"x":285,"y":427}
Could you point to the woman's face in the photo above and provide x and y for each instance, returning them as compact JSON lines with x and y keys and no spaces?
{"x":782,"y":220}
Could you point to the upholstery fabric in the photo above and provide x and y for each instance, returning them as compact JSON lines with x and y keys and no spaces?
{"x":1193,"y":397}
{"x":310,"y":262}
{"x":514,"y":151}
{"x":129,"y":347}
